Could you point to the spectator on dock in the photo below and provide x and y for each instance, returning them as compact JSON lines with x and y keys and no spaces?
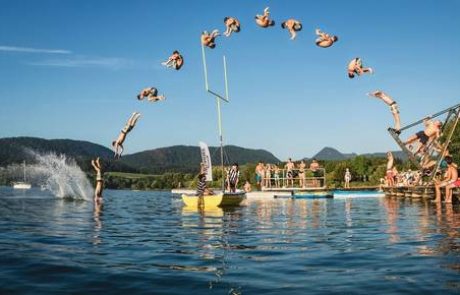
{"x":393,"y":107}
{"x":302,"y":166}
{"x":233,"y":178}
{"x":290,"y":166}
{"x":268,"y":176}
{"x":276,"y":176}
{"x":347,"y":178}
{"x":431,"y":133}
{"x":450,"y":181}
{"x":314,"y":167}
{"x":260,"y":172}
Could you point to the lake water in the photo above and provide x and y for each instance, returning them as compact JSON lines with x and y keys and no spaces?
{"x":147,"y":243}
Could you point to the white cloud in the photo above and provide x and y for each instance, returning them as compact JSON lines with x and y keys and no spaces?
{"x":81,"y":61}
{"x":33,"y":50}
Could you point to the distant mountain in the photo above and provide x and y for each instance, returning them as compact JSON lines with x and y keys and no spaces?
{"x":168,"y":159}
{"x":331,"y":154}
{"x":182,"y":158}
{"x":15,"y":150}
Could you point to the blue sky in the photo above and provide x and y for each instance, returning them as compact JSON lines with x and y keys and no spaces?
{"x":72,"y":69}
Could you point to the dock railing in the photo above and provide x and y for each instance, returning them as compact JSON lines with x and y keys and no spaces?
{"x":294,"y":179}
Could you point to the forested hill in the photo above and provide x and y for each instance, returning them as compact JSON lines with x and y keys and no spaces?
{"x":182,"y":158}
{"x":168,"y":159}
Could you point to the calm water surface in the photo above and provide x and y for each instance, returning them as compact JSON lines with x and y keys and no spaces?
{"x":147,"y":243}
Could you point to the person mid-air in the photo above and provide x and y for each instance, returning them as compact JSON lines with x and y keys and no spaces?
{"x":118,"y":143}
{"x":264,"y":20}
{"x":151,"y":94}
{"x":293,"y":27}
{"x":356,"y":67}
{"x":232,"y":24}
{"x":175,"y":61}
{"x":209,"y":40}
{"x":325,"y":40}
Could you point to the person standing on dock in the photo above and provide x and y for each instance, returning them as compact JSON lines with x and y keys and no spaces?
{"x":450,"y":181}
{"x":347,"y":178}
{"x":233,"y":177}
{"x":314,"y":167}
{"x":393,"y":107}
{"x":260,"y":175}
{"x":290,"y":166}
{"x":268,"y":176}
{"x":99,"y":183}
{"x":302,"y":166}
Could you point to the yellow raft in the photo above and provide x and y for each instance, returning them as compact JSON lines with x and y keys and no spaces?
{"x":213,"y":201}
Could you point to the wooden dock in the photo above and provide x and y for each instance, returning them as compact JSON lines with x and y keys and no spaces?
{"x":418,"y":192}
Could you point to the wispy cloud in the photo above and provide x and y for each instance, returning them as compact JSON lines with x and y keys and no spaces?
{"x":113,"y":63}
{"x":33,"y":50}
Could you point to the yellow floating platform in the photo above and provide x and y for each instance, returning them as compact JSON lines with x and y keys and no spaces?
{"x":213,"y":201}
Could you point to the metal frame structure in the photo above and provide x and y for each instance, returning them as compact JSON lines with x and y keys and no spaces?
{"x":218,"y":99}
{"x":452,"y":111}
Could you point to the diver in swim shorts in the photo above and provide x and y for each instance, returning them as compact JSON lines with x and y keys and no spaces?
{"x":394,"y":109}
{"x":209,"y":40}
{"x":325,"y":40}
{"x":232,"y":24}
{"x":118,"y":143}
{"x":264,"y":20}
{"x":174,"y":61}
{"x":431,"y":133}
{"x":99,"y":182}
{"x":293,"y":27}
{"x":151,"y":94}
{"x":355,"y":66}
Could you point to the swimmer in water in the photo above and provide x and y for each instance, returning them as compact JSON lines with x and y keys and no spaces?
{"x":99,"y":182}
{"x":118,"y":143}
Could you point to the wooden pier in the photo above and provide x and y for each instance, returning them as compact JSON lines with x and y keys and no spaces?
{"x":418,"y":192}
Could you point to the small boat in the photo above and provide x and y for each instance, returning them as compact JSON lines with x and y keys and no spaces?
{"x":22,"y":184}
{"x":213,"y":201}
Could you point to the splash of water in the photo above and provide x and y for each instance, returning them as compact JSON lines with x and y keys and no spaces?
{"x":59,"y":175}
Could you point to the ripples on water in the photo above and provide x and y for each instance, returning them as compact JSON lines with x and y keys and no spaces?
{"x":146,"y":242}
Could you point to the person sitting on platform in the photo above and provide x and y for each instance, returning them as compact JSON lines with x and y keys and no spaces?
{"x":293,"y":27}
{"x":151,"y":93}
{"x":450,"y":181}
{"x":393,"y":107}
{"x":355,"y":66}
{"x":325,"y":40}
{"x":202,"y":188}
{"x":264,"y":20}
{"x":118,"y":143}
{"x":99,"y":183}
{"x":431,"y":133}
{"x":233,"y":177}
{"x":174,"y":61}
{"x":232,"y":24}
{"x":209,"y":39}
{"x":247,"y":187}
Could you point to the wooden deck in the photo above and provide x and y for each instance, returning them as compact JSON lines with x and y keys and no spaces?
{"x":418,"y":192}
